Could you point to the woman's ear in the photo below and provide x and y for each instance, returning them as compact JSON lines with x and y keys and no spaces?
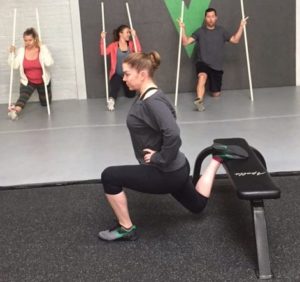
{"x":143,"y":74}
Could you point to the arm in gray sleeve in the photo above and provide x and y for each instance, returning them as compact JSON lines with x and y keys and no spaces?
{"x":169,"y":129}
{"x":226,"y":35}
{"x":195,"y":34}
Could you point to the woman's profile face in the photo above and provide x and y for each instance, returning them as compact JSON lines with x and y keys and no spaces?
{"x":125,"y":34}
{"x":29,"y":41}
{"x":132,"y":77}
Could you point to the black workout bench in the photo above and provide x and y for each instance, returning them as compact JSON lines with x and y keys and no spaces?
{"x":252,"y":182}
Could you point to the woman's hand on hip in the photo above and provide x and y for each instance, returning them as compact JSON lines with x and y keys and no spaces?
{"x":148,"y":154}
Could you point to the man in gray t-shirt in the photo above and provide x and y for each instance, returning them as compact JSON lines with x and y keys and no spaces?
{"x":210,"y":40}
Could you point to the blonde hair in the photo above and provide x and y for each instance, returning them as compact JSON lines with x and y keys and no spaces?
{"x":31,"y":31}
{"x":144,"y":61}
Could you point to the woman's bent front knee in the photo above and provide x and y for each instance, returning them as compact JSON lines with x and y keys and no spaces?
{"x":108,"y":179}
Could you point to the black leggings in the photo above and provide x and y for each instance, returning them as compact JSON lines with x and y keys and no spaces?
{"x":115,"y":84}
{"x":149,"y":179}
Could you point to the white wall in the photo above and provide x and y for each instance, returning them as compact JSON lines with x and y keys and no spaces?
{"x":298,"y":42}
{"x":59,"y":22}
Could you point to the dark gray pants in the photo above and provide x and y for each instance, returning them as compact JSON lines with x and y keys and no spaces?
{"x":27,"y":90}
{"x":116,"y":83}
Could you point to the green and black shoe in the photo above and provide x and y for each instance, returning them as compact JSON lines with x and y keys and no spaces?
{"x":229,"y":152}
{"x":119,"y":233}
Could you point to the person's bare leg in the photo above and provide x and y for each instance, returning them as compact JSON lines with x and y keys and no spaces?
{"x":18,"y":109}
{"x":205,"y":182}
{"x":202,"y":78}
{"x":119,"y":205}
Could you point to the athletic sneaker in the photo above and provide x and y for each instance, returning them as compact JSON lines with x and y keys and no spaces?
{"x":13,"y":115}
{"x":111,"y":104}
{"x":199,"y":104}
{"x":229,"y":152}
{"x":119,"y":233}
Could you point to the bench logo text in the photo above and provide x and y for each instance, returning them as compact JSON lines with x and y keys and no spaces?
{"x":254,"y":173}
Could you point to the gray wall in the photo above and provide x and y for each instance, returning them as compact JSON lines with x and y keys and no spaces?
{"x":271,"y":37}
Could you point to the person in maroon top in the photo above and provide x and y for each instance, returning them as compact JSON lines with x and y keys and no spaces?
{"x":118,"y":50}
{"x":29,"y":60}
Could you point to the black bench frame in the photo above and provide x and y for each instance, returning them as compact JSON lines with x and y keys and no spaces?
{"x":258,"y":214}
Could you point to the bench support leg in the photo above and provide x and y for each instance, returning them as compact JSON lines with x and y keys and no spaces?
{"x":262,"y":245}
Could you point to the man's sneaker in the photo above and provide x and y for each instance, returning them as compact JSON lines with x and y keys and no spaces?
{"x":111,"y":104}
{"x":199,"y":104}
{"x":229,"y":152}
{"x":13,"y":115}
{"x":119,"y":233}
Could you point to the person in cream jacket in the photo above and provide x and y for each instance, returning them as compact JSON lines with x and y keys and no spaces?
{"x":33,"y":61}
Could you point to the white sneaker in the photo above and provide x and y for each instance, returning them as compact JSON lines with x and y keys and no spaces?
{"x":111,"y":104}
{"x":12,"y":114}
{"x":199,"y":105}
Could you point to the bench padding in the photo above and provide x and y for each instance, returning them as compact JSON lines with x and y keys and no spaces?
{"x":249,"y":177}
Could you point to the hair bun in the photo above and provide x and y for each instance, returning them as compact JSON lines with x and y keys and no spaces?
{"x":155,"y":59}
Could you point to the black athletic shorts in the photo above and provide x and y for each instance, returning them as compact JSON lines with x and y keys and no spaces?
{"x":214,"y":76}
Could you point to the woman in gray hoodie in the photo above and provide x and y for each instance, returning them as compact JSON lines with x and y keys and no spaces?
{"x":155,"y":135}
